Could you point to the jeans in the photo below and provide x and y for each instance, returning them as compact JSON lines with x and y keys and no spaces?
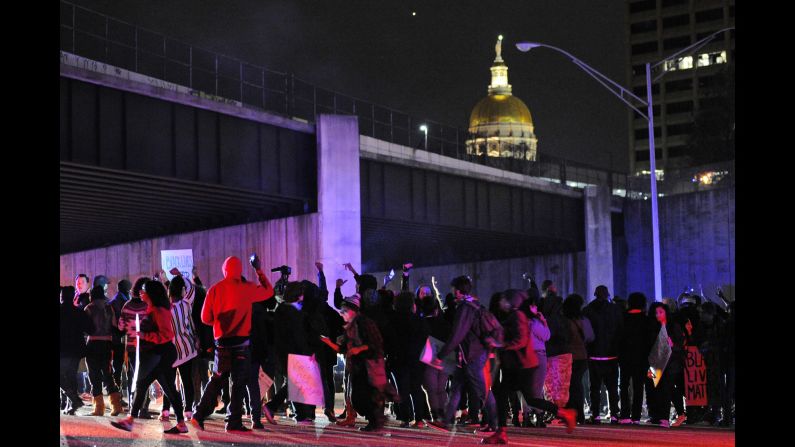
{"x":678,"y":391}
{"x":434,"y":382}
{"x":603,"y":371}
{"x":186,"y":377}
{"x":99,"y":368}
{"x":636,"y":374}
{"x":68,"y":378}
{"x":577,"y":389}
{"x":471,"y":373}
{"x":518,"y":379}
{"x":117,"y":352}
{"x":327,"y":376}
{"x":201,"y":369}
{"x":413,"y":403}
{"x":539,"y":373}
{"x":229,"y":361}
{"x":254,"y":393}
{"x":155,"y":364}
{"x":658,"y":399}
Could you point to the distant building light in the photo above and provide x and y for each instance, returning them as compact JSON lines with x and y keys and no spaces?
{"x":702,"y":60}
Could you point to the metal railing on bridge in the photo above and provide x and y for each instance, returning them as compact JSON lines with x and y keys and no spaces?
{"x":98,"y":37}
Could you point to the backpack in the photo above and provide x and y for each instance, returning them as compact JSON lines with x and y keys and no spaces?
{"x":490,"y":331}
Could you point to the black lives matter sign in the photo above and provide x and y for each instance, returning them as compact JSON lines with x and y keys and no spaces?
{"x":695,"y":378}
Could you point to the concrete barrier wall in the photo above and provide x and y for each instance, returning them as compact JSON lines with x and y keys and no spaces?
{"x":567,"y":270}
{"x":292,"y":241}
{"x":696,"y":243}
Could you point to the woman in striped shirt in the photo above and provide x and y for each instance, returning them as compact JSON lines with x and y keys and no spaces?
{"x":157,"y":356}
{"x":186,"y":340}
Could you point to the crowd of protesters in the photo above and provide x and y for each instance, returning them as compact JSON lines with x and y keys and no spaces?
{"x":531,"y":355}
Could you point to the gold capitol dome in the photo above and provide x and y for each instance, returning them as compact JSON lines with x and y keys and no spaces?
{"x":500,"y":124}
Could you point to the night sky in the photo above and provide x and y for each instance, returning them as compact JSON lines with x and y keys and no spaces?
{"x":432,"y":65}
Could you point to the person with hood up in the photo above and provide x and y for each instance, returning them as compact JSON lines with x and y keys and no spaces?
{"x":98,"y":352}
{"x":227,"y":308}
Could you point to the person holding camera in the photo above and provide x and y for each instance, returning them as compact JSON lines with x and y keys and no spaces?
{"x":227,"y":308}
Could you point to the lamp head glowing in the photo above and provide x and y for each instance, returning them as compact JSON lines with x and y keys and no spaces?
{"x":524,"y":47}
{"x":424,"y":128}
{"x":499,"y":37}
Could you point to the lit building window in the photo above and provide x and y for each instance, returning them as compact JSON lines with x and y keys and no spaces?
{"x":709,"y":177}
{"x":702,"y":60}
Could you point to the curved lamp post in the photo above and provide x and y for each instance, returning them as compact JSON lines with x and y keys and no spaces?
{"x":627,"y":97}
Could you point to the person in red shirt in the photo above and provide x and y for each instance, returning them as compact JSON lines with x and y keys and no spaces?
{"x":227,"y":309}
{"x":157,"y":354}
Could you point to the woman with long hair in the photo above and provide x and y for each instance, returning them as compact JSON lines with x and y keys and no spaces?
{"x":539,"y":334}
{"x":659,"y":397}
{"x":186,"y":340}
{"x":158,"y":355}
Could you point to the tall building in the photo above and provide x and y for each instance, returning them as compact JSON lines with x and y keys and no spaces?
{"x":500,"y":124}
{"x":658,"y":29}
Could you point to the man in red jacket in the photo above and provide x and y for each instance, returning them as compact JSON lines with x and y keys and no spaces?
{"x":227,"y":309}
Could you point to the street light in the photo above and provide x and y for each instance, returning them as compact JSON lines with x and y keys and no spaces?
{"x":622,"y":94}
{"x":424,"y":129}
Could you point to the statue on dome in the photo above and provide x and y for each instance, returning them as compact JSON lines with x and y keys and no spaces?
{"x":498,"y":49}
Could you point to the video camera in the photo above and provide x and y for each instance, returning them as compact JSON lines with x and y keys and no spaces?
{"x":284,"y":270}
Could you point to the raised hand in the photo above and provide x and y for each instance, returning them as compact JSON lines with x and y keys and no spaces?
{"x":340,"y":282}
{"x":319,"y":266}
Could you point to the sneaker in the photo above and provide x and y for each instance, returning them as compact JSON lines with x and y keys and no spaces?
{"x":439,"y":425}
{"x":636,"y":422}
{"x":177,"y":429}
{"x":188,"y":415}
{"x":330,"y":415}
{"x":625,"y":421}
{"x":237,"y":428}
{"x":164,"y":415}
{"x":679,"y":420}
{"x":613,"y":420}
{"x":257,"y":425}
{"x":125,"y":424}
{"x":418,"y":424}
{"x":569,"y":416}
{"x":197,"y":423}
{"x":665,"y":423}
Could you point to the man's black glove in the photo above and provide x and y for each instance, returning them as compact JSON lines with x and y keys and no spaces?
{"x":254,"y":260}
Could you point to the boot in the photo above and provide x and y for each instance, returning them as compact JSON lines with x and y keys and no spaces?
{"x":115,"y":404}
{"x":99,"y":406}
{"x":499,"y":437}
{"x":350,"y":417}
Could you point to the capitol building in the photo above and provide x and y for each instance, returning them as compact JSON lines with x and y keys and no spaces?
{"x":500,"y":125}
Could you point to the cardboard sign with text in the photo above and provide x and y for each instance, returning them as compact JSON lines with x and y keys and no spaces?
{"x":303,"y":380}
{"x":181,"y":259}
{"x":695,"y":378}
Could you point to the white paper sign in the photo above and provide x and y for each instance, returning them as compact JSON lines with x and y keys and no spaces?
{"x":181,"y":259}
{"x":303,"y":380}
{"x":430,"y":352}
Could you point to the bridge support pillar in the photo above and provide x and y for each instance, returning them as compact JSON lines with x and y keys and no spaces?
{"x":598,"y":239}
{"x":339,"y":203}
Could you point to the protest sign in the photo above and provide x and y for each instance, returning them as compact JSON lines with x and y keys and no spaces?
{"x":695,"y":378}
{"x":431,"y":351}
{"x":181,"y":259}
{"x":303,"y":380}
{"x":659,"y":355}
